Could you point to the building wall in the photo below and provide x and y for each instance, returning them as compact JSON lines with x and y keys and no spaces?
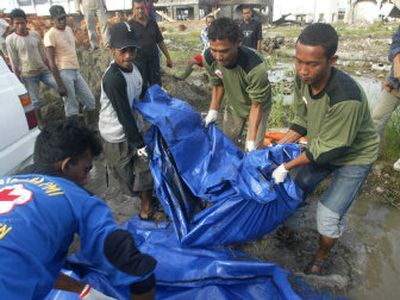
{"x":309,"y":10}
{"x":41,"y":7}
{"x":366,"y":11}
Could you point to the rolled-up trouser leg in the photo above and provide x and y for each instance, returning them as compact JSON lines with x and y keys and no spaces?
{"x":337,"y":199}
{"x":382,"y":112}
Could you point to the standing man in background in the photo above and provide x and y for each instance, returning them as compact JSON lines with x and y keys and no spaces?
{"x":149,"y":37}
{"x":390,"y":98}
{"x":63,"y":60}
{"x":28,"y":59}
{"x":250,"y":29}
{"x":204,"y":33}
{"x":91,"y":10}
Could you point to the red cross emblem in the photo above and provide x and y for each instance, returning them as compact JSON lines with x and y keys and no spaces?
{"x":13,"y":195}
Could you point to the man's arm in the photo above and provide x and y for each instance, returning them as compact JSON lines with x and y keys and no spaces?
{"x":67,"y":283}
{"x":395,"y":45}
{"x":14,"y":58}
{"x":51,"y":54}
{"x":85,"y":291}
{"x":259,"y":43}
{"x":255,"y":117}
{"x":217,"y":95}
{"x":290,"y":137}
{"x":42,"y":51}
{"x":111,"y":249}
{"x":259,"y":37}
{"x":164,"y":50}
{"x":394,"y":54}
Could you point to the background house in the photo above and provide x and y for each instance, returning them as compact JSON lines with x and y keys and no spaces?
{"x":303,"y":11}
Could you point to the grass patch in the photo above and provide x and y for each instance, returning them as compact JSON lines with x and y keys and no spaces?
{"x":188,"y":40}
{"x":281,"y":115}
{"x":375,"y":30}
{"x":391,"y":145}
{"x":383,"y":185}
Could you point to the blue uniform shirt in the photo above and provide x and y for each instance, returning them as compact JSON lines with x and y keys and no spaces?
{"x":39,"y":216}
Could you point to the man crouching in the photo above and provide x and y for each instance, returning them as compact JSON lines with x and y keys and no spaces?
{"x":41,"y":210}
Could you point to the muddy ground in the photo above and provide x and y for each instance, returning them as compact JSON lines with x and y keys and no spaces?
{"x":364,"y":263}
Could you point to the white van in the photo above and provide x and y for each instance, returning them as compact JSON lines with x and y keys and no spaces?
{"x":18,"y":126}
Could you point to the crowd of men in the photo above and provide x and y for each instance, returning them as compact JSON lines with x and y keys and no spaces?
{"x":330,"y":108}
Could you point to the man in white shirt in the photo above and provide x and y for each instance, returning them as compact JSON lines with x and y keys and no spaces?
{"x":28,"y":59}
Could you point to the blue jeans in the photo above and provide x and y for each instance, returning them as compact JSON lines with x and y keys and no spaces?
{"x":336,"y":200}
{"x":32,"y":85}
{"x":76,"y":86}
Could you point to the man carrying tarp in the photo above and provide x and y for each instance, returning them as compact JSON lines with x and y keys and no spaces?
{"x":332,"y":110}
{"x":42,"y":208}
{"x":239,"y":76}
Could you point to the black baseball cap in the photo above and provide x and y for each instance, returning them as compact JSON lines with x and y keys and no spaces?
{"x":122,"y":36}
{"x":57,"y":11}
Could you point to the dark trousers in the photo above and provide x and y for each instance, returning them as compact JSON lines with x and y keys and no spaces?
{"x":149,"y":67}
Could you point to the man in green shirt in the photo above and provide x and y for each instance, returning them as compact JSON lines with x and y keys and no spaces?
{"x":239,"y":76}
{"x":331,"y":109}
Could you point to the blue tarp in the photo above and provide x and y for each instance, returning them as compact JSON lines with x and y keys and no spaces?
{"x":215,"y":195}
{"x":191,"y":162}
{"x":191,"y":273}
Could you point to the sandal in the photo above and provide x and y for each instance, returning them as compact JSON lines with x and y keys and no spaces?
{"x":156,"y":214}
{"x":286,"y":236}
{"x":314,"y":267}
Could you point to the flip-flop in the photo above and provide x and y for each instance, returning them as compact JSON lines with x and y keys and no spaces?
{"x":155,"y":214}
{"x":314,"y":267}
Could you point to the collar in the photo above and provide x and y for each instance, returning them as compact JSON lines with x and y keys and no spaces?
{"x":27,"y":33}
{"x":46,"y":170}
{"x":42,"y":170}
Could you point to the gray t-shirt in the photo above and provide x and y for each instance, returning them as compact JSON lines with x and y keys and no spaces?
{"x":27,"y":53}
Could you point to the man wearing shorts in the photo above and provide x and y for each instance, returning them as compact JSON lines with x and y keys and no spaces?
{"x":120,"y":126}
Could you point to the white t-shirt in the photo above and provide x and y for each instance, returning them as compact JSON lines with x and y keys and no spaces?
{"x":109,"y":126}
{"x":26,"y":53}
{"x":63,"y":42}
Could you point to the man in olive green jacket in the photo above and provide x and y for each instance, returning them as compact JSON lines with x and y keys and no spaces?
{"x":331,"y":109}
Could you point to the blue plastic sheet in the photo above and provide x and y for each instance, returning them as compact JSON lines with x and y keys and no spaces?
{"x":191,"y":162}
{"x":214,"y":195}
{"x":190,"y":273}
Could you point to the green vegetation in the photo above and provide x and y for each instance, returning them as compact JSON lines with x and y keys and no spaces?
{"x":186,"y":40}
{"x":375,"y":30}
{"x":391,"y":146}
{"x":281,"y":114}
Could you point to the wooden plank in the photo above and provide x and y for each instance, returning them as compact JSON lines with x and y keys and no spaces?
{"x":165,"y":16}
